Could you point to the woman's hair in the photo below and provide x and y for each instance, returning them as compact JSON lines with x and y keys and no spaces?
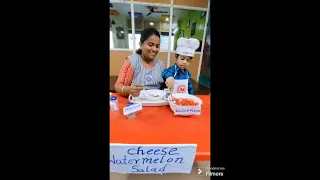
{"x":145,"y":34}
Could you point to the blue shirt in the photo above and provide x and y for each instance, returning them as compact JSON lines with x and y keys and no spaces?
{"x":179,"y":75}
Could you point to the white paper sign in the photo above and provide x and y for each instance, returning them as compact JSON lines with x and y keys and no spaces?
{"x":132,"y":108}
{"x":152,"y":158}
{"x":187,"y":110}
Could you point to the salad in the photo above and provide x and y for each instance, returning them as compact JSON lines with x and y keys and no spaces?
{"x":185,"y":102}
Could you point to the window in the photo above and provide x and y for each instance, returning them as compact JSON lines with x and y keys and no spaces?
{"x":137,"y":37}
{"x":111,"y":40}
{"x":144,"y":15}
{"x":163,"y":43}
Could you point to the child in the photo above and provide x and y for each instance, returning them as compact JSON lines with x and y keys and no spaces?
{"x":177,"y":77}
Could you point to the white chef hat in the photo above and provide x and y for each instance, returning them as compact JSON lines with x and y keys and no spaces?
{"x":187,"y":47}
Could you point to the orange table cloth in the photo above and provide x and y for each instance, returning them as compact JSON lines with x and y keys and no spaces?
{"x":158,"y":125}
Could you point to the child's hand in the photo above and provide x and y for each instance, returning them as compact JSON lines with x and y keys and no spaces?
{"x":170,"y":83}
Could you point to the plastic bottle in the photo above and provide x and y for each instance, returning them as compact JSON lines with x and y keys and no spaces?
{"x":114,"y":103}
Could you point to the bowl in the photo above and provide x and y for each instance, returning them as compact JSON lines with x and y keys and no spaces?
{"x":173,"y":105}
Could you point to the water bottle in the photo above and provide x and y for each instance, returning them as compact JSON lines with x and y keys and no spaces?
{"x":114,"y":103}
{"x":131,"y":115}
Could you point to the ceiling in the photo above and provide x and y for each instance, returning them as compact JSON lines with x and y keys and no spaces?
{"x":178,"y":14}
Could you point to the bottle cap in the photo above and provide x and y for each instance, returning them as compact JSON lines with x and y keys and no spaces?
{"x":129,"y":104}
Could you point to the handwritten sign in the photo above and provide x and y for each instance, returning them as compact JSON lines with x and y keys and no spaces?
{"x":152,"y":159}
{"x":187,"y":110}
{"x":132,"y":108}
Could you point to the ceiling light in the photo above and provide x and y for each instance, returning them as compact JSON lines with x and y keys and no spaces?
{"x":167,"y":19}
{"x":151,"y":23}
{"x":122,"y":32}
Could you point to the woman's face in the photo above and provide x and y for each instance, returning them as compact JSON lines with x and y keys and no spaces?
{"x":150,"y":47}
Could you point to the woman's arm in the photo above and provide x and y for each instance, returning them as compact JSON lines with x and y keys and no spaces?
{"x":125,"y":78}
{"x":122,"y":90}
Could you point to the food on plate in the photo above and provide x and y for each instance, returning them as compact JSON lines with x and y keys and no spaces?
{"x":155,"y":95}
{"x":185,"y":102}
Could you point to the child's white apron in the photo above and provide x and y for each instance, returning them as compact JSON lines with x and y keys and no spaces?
{"x":180,"y":85}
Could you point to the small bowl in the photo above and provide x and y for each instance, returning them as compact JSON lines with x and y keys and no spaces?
{"x":179,"y":95}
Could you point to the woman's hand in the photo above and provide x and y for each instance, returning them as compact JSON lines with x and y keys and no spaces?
{"x":170,"y":83}
{"x":135,"y":89}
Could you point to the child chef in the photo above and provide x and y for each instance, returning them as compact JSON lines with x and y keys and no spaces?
{"x":177,"y":77}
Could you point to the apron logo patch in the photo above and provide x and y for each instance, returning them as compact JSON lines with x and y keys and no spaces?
{"x":148,"y":79}
{"x":182,"y":88}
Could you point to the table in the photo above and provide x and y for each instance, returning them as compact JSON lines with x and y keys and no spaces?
{"x":158,"y":125}
{"x":198,"y":88}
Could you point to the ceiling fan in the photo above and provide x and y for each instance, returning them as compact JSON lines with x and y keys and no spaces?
{"x":153,"y":11}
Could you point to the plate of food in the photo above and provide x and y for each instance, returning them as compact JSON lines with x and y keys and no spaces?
{"x":153,"y":94}
{"x":186,"y":101}
{"x":152,"y":97}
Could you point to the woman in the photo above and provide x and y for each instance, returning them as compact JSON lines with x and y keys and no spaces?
{"x":142,"y":70}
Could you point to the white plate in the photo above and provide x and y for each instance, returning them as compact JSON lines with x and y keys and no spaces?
{"x":153,"y":94}
{"x":148,"y":100}
{"x":155,"y":103}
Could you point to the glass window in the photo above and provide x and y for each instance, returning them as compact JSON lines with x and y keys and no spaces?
{"x":185,"y":23}
{"x":152,"y":16}
{"x":164,"y":44}
{"x":137,"y":36}
{"x":189,"y":24}
{"x":111,"y":40}
{"x":119,"y":17}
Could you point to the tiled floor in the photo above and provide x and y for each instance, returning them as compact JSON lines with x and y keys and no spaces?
{"x":192,"y":176}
